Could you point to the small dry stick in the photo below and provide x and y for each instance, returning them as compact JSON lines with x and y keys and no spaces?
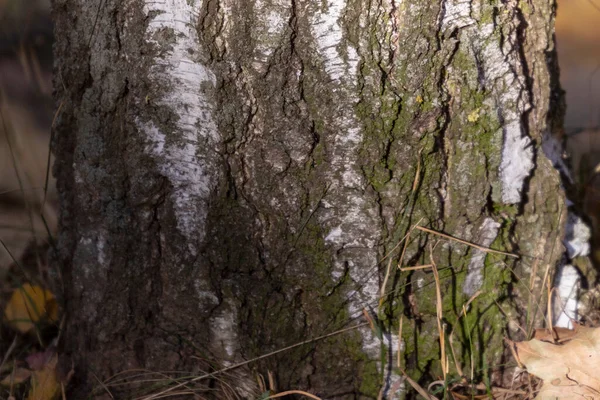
{"x":415,"y":267}
{"x":485,"y":249}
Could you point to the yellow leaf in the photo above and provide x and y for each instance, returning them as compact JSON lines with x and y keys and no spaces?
{"x":44,"y":382}
{"x":569,"y":367}
{"x":16,"y":377}
{"x":28,"y":305}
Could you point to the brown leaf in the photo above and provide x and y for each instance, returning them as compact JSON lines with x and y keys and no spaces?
{"x":44,"y":382}
{"x":28,"y":305}
{"x":569,"y":368}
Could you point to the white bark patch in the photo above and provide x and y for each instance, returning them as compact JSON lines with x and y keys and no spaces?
{"x":568,"y":287}
{"x":499,"y":70}
{"x":269,"y":29}
{"x":457,"y":14}
{"x":335,"y":235}
{"x":577,"y":237}
{"x":517,"y":162}
{"x":100,"y":246}
{"x":177,"y":152}
{"x":553,"y":149}
{"x":223,"y":331}
{"x":327,"y":31}
{"x":487,"y":234}
{"x":350,"y":214}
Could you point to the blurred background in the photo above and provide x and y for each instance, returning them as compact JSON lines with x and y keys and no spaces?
{"x":578,"y":37}
{"x":26,"y":113}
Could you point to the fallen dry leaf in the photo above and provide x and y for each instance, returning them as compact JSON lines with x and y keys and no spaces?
{"x":569,"y":367}
{"x":45,"y":384}
{"x":28,"y":305}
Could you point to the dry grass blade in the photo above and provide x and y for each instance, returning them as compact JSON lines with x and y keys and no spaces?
{"x":484,"y":249}
{"x":457,"y":365}
{"x":417,"y":267}
{"x":300,"y":392}
{"x":384,"y":284}
{"x":49,"y":159}
{"x":272,"y":385}
{"x":103,"y":385}
{"x":549,"y":305}
{"x":389,"y":266}
{"x":241,"y":364}
{"x":400,"y":324}
{"x":418,"y":387}
{"x":440,"y":316}
{"x":471,"y":299}
{"x":369,"y":319}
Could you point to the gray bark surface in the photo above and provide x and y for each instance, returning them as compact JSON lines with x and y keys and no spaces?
{"x":233,"y":173}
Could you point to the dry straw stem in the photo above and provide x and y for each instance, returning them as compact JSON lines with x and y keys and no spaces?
{"x":300,"y":392}
{"x":456,"y":363}
{"x":484,"y":249}
{"x":404,"y":239}
{"x":400,"y":341}
{"x":241,"y":364}
{"x":440,"y":316}
{"x":471,"y":299}
{"x":389,"y":266}
{"x":418,"y":387}
{"x":416,"y":267}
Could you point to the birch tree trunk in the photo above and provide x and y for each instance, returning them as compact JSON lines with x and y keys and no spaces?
{"x":237,"y":176}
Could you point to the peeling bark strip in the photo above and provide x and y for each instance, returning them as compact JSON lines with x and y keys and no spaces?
{"x":233,"y":172}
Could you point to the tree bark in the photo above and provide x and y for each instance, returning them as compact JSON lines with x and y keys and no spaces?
{"x":236,"y":176}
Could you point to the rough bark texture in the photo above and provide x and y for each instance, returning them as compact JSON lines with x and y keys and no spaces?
{"x":232,"y":174}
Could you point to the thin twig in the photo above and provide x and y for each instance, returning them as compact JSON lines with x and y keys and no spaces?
{"x":484,"y":249}
{"x":416,"y":267}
